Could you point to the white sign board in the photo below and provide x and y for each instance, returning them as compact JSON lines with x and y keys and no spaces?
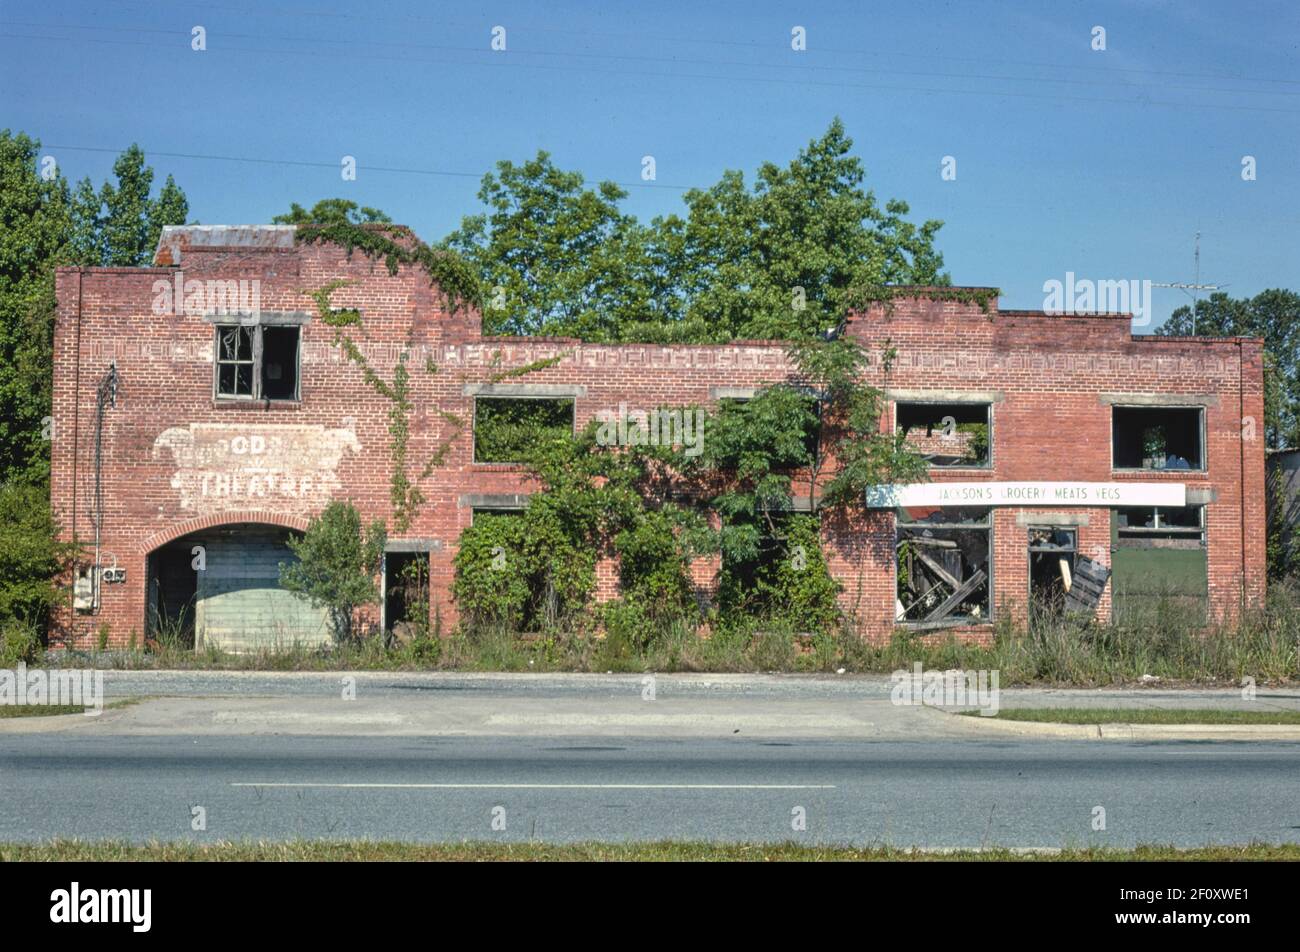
{"x":1027,"y":494}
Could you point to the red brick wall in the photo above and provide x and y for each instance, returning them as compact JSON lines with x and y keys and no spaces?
{"x":1048,"y":423}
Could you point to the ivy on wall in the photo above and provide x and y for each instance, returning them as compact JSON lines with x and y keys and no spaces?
{"x":404,"y":492}
{"x":397,"y":245}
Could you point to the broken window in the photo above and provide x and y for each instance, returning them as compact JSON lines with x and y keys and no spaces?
{"x":1052,"y":554}
{"x":235,"y":361}
{"x":406,"y":595}
{"x":1137,"y":524}
{"x":1160,"y":566}
{"x":510,"y":429}
{"x":1157,"y":437}
{"x":947,"y":434}
{"x":943,"y":568}
{"x":256,"y":362}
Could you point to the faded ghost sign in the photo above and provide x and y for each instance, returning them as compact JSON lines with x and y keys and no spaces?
{"x":227,"y":467}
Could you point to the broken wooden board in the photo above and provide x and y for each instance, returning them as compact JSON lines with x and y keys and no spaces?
{"x":1090,"y":579}
{"x":956,"y":597}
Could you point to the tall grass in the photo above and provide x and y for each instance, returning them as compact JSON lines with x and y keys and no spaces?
{"x":1161,"y":643}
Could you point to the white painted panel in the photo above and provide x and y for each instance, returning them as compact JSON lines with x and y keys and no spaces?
{"x":1028,"y":494}
{"x":241,"y":606}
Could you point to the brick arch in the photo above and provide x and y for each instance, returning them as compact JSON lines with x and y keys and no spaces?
{"x":258,"y":516}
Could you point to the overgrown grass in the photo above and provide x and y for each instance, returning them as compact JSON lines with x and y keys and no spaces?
{"x":663,"y":851}
{"x":39,"y":710}
{"x":51,"y":710}
{"x":1128,"y":715}
{"x":1163,"y":645}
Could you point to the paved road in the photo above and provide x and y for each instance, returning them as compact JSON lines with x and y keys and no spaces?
{"x":933,"y":793}
{"x":429,"y":757}
{"x":430,"y":685}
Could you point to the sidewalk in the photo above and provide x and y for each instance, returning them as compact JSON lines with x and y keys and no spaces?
{"x":668,"y":705}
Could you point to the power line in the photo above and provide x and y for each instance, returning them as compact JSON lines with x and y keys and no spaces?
{"x":500,"y":61}
{"x":352,"y":43}
{"x":684,"y":37}
{"x":322,"y":165}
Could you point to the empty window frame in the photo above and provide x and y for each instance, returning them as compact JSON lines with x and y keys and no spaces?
{"x":812,"y":429}
{"x":944,"y":570}
{"x":1135,"y":526}
{"x":510,"y":429}
{"x":947,"y":434}
{"x":1158,"y":437}
{"x":256,"y":362}
{"x":1052,"y":553}
{"x":1160,"y":565}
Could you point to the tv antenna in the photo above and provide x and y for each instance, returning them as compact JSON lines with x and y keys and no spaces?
{"x":1195,"y":287}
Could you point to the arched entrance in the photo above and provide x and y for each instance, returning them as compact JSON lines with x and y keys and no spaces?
{"x":218,"y":586}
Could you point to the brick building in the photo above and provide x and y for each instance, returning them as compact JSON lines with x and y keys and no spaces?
{"x":202,"y":411}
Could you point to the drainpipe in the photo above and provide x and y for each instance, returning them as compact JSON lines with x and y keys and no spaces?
{"x":1241,"y":454}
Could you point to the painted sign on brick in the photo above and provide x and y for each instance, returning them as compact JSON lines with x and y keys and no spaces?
{"x":228,"y":467}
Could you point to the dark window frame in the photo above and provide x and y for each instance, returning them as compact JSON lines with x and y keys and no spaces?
{"x":1032,"y":549}
{"x":473,"y":433}
{"x":1169,"y":536}
{"x":1202,"y":436}
{"x":987,"y":464}
{"x":256,"y":364}
{"x":985,"y":525}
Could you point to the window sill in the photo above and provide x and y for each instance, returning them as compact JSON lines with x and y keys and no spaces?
{"x":1180,"y":473}
{"x":264,"y":405}
{"x":945,"y":623}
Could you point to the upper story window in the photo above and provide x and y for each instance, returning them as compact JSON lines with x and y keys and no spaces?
{"x":509,"y":429}
{"x":1158,"y":437}
{"x":947,"y":434}
{"x":257,"y":362}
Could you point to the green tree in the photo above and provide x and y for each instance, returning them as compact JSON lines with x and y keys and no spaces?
{"x":337,"y":564}
{"x":35,"y":219}
{"x":554,"y":257}
{"x":44,"y":223}
{"x":331,"y":211}
{"x":30,"y":556}
{"x":787,"y":258}
{"x":1273,"y":315}
{"x":119,"y":225}
{"x":790,"y":257}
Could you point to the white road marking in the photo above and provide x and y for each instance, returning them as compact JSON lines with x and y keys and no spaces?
{"x":549,"y":786}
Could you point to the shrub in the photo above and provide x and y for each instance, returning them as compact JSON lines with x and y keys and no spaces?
{"x":785,"y":580}
{"x":31,"y":558}
{"x":20,"y":642}
{"x":337,"y":564}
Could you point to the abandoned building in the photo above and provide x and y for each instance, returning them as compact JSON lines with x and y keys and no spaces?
{"x":203,"y":412}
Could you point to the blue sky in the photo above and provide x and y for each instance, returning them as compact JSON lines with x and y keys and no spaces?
{"x":1104,"y":163}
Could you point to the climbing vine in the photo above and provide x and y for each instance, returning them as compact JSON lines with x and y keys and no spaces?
{"x":496,"y":376}
{"x":404,"y":492}
{"x":397,"y":245}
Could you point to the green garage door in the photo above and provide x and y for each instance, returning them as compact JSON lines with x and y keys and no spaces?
{"x":1164,"y":582}
{"x":240,"y":605}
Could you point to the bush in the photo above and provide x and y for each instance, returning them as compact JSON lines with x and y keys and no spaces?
{"x":522,"y":571}
{"x":30,"y":556}
{"x":20,"y":642}
{"x":337,"y":564}
{"x":786,"y":581}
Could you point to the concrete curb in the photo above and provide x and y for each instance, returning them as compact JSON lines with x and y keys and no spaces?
{"x":1131,"y":732}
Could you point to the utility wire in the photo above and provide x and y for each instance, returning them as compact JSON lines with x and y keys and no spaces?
{"x":501,"y":61}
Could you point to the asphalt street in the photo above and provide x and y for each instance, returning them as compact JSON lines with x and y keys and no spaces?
{"x":564,"y":761}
